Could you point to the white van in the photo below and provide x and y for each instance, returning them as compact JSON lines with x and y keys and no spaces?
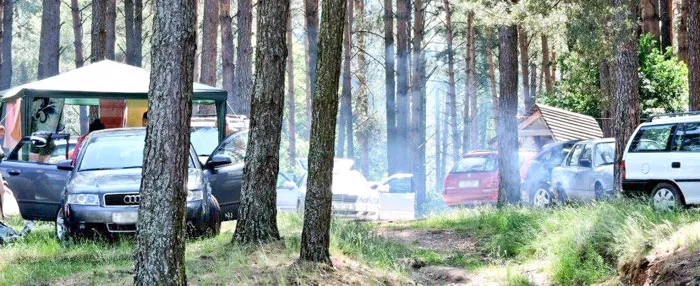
{"x":662,"y":159}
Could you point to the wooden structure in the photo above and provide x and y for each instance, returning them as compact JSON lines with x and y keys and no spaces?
{"x":545,"y":124}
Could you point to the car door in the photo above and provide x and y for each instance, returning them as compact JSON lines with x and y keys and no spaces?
{"x":686,"y":163}
{"x":31,"y":173}
{"x":397,"y":198}
{"x":583,"y":189}
{"x":226,"y":180}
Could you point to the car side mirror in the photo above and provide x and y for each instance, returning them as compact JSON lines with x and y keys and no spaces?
{"x":218,"y":160}
{"x":584,"y":163}
{"x":289,"y":185}
{"x":66,"y":165}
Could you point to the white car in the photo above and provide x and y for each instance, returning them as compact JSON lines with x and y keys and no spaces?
{"x":352,"y":195}
{"x":287,"y":193}
{"x":397,"y":197}
{"x":662,"y":160}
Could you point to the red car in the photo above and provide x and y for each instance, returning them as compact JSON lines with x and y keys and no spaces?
{"x":474,"y":180}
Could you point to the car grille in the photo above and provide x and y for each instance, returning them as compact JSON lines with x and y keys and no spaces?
{"x":122,"y":199}
{"x":344,"y":198}
{"x":111,"y":227}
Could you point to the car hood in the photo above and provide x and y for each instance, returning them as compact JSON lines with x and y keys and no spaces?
{"x":127,"y":180}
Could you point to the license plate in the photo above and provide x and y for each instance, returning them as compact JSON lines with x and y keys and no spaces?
{"x":125,"y":217}
{"x":469,"y":184}
{"x":343,"y":206}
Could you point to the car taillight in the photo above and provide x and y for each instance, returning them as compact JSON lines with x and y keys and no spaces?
{"x":623,"y":170}
{"x":449,"y":184}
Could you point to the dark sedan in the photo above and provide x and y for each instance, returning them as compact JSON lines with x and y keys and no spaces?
{"x":540,"y":173}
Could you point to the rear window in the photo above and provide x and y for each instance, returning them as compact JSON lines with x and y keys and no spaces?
{"x":475,"y":164}
{"x":690,"y":141}
{"x":604,"y":153}
{"x":652,"y":139}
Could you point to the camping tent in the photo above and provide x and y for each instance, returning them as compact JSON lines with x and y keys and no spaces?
{"x":104,"y":80}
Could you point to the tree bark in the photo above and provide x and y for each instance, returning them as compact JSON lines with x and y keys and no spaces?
{"x":607,"y":86}
{"x":402,"y":98}
{"x":438,"y":142}
{"x":390,"y":86}
{"x":492,"y":76}
{"x":363,"y":134}
{"x":227,"y":67}
{"x":553,"y":64}
{"x":160,"y":239}
{"x":649,"y":14}
{"x":471,"y":114}
{"x":546,"y":65}
{"x":291,"y":104}
{"x":525,"y":69}
{"x":315,"y":237}
{"x":210,"y":29}
{"x":98,"y":35}
{"x":451,"y":90}
{"x":666,"y":13}
{"x":418,"y":114}
{"x":79,"y":60}
{"x":7,"y":20}
{"x":533,"y":86}
{"x":244,"y":58}
{"x":626,"y":104}
{"x":311,"y":17}
{"x":110,"y":27}
{"x":682,"y":32}
{"x":130,"y":34}
{"x":138,"y":32}
{"x":49,"y":39}
{"x":694,"y":55}
{"x":508,"y":167}
{"x":346,"y":131}
{"x":257,"y":218}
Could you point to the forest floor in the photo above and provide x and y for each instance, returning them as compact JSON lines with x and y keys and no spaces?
{"x":605,"y":243}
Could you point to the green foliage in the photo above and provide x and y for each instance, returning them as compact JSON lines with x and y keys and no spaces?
{"x":663,"y":85}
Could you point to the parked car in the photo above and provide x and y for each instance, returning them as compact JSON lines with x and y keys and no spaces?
{"x":352,"y":195}
{"x":397,"y":197}
{"x":287,"y":193}
{"x":662,"y":161}
{"x":204,"y":134}
{"x":474,"y":179}
{"x":101,"y":191}
{"x":539,"y":175}
{"x":585,"y":175}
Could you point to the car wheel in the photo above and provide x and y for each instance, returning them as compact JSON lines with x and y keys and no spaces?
{"x":666,"y":197}
{"x":214,"y":223}
{"x":542,"y":198}
{"x":599,"y":192}
{"x":61,"y":229}
{"x":531,"y":194}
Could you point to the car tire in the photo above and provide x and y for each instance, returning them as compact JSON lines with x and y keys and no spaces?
{"x":61,"y":229}
{"x":666,"y":197}
{"x":542,"y":198}
{"x":533,"y":192}
{"x":599,"y":192}
{"x":213,"y":227}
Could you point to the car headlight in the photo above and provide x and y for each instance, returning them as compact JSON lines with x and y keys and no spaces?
{"x":84,"y":199}
{"x":195,"y":195}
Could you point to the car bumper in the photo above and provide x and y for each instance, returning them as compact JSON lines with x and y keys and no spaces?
{"x":80,"y":218}
{"x":470,"y":198}
{"x":356,"y":210}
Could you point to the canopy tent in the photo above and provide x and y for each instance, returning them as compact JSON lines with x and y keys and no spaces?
{"x":102,"y":80}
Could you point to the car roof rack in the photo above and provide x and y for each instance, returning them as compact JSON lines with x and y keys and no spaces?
{"x":671,"y":115}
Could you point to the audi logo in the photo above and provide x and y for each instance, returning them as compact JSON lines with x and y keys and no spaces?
{"x":132,"y":199}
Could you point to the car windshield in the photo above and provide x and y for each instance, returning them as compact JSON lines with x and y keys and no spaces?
{"x":114,"y":152}
{"x":605,"y":153}
{"x":475,"y":164}
{"x":204,"y":140}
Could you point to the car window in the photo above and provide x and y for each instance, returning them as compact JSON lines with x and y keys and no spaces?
{"x":400,"y":185}
{"x":544,"y":157}
{"x":604,"y":153}
{"x":51,"y":152}
{"x":586,"y":153}
{"x":235,"y":148}
{"x":114,"y":152}
{"x":204,"y":139}
{"x":690,"y":141}
{"x":475,"y":164}
{"x":651,"y":138}
{"x":575,"y":156}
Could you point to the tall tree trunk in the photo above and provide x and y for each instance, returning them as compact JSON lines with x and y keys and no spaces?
{"x":626,"y":81}
{"x":346,"y":131}
{"x":390,"y":86}
{"x":438,"y":142}
{"x":291,"y":104}
{"x":363,"y":133}
{"x":311,"y":17}
{"x":98,"y":35}
{"x":471,"y":114}
{"x":210,"y":29}
{"x":546,"y":65}
{"x":244,"y":58}
{"x":649,"y":14}
{"x":138,"y":32}
{"x":682,"y":32}
{"x":533,"y":86}
{"x":79,"y":60}
{"x":257,"y":218}
{"x":451,"y":90}
{"x":160,"y":239}
{"x":315,"y":237}
{"x":7,"y":20}
{"x":553,"y":64}
{"x":492,"y":76}
{"x":110,"y":27}
{"x":418,"y":107}
{"x":508,"y":167}
{"x":227,"y":66}
{"x":666,"y":13}
{"x":130,"y":34}
{"x":49,"y":39}
{"x":608,"y":88}
{"x":524,"y":69}
{"x":402,"y":98}
{"x":694,"y":54}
